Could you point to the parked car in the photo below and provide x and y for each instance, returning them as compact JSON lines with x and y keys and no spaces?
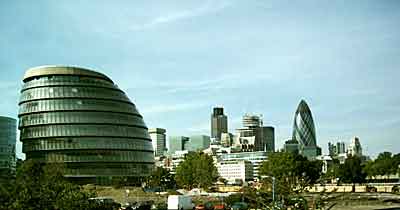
{"x":200,"y":207}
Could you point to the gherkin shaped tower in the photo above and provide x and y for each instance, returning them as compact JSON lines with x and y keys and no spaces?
{"x":80,"y":118}
{"x":303,"y":126}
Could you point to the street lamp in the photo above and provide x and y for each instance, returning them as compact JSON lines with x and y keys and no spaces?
{"x":273,"y":186}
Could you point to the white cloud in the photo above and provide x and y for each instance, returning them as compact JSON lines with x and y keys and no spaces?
{"x":208,"y":7}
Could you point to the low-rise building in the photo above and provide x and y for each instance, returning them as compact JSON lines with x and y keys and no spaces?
{"x":256,"y":159}
{"x":235,"y":170}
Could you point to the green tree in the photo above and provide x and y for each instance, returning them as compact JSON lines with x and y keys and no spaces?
{"x":161,"y":177}
{"x":292,"y":172}
{"x":43,"y":187}
{"x":197,"y":170}
{"x":352,"y":171}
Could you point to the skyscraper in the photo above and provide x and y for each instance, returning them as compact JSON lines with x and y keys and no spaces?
{"x":177,"y":143}
{"x":304,"y":131}
{"x":8,"y":130}
{"x":198,"y":142}
{"x":355,"y":148}
{"x":219,"y":123}
{"x":254,"y":136}
{"x":158,"y":138}
{"x":79,"y":117}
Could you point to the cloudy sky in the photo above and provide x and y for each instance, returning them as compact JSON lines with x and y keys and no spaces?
{"x":178,"y":59}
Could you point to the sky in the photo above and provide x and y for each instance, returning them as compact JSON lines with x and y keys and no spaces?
{"x":178,"y":59}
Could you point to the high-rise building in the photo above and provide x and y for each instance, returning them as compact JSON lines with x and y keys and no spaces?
{"x":340,"y":147}
{"x":158,"y":138}
{"x":8,"y":140}
{"x":198,"y":142}
{"x":254,"y":136}
{"x":177,"y":143}
{"x":219,"y":123}
{"x":336,"y":149}
{"x":291,"y":146}
{"x":355,"y":148}
{"x":79,"y":117}
{"x":268,"y":138}
{"x":304,"y":131}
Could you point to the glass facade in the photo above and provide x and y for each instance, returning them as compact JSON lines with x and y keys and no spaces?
{"x":7,"y":146}
{"x":81,"y":118}
{"x":303,"y":127}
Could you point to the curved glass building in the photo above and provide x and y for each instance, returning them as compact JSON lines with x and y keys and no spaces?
{"x":304,"y":131}
{"x":81,"y":118}
{"x":8,"y":140}
{"x":303,"y":126}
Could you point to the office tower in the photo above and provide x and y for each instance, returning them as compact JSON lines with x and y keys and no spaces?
{"x":268,"y":138}
{"x":291,"y":146}
{"x":332,"y":149}
{"x":158,"y":138}
{"x":8,"y":138}
{"x":340,"y":147}
{"x":177,"y":143}
{"x":79,"y":117}
{"x":254,"y":136}
{"x":219,"y":123}
{"x":304,"y":131}
{"x":198,"y":142}
{"x":355,"y":148}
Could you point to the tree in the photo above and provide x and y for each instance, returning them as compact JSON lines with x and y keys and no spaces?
{"x":197,"y":170}
{"x":352,"y":171}
{"x":161,"y":177}
{"x":38,"y":186}
{"x":292,"y":172}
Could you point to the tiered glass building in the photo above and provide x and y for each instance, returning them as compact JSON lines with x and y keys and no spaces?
{"x":81,"y":118}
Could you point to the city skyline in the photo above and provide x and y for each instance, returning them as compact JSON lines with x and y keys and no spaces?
{"x":177,"y":61}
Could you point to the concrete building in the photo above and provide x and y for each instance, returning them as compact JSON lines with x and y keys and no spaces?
{"x":256,"y":159}
{"x":158,"y":139}
{"x":336,"y":149}
{"x":355,"y":148}
{"x":234,"y":170}
{"x":254,"y":136}
{"x":227,"y":139}
{"x":219,"y":123}
{"x":177,"y":143}
{"x":79,"y":117}
{"x":8,"y":138}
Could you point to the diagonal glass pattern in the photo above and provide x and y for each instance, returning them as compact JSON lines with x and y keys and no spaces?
{"x":303,"y":126}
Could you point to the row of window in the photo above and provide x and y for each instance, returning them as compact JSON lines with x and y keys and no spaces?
{"x":76,"y":104}
{"x":120,"y":170}
{"x":80,"y":117}
{"x":67,"y":80}
{"x":65,"y":92}
{"x":87,"y":143}
{"x":83,"y":130}
{"x":95,"y":156}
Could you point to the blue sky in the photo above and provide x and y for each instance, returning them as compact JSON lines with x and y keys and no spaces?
{"x":178,"y":59}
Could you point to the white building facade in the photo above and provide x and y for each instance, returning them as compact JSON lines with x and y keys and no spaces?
{"x":235,"y":170}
